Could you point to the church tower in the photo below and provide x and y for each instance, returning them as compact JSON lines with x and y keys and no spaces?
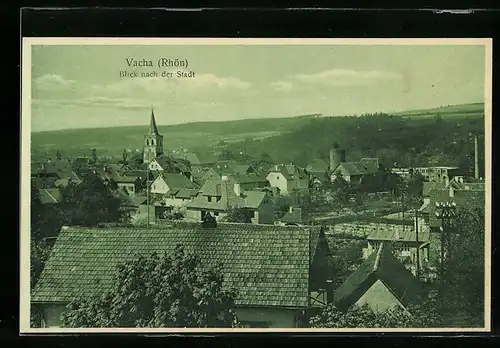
{"x":153,"y":141}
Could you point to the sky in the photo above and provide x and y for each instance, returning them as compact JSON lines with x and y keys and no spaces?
{"x":80,"y":86}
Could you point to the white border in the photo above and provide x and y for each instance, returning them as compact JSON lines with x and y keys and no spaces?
{"x":26,"y":163}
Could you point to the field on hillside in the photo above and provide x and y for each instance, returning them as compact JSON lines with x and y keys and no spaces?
{"x":407,"y":138}
{"x":450,"y":111}
{"x":193,"y":136}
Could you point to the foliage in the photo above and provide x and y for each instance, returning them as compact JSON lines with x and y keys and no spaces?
{"x":340,"y":191}
{"x":92,"y":202}
{"x":159,"y":291}
{"x":39,"y":253}
{"x":46,"y":219}
{"x":416,"y":316}
{"x":408,"y":142}
{"x":94,"y":156}
{"x":383,"y":180}
{"x":281,"y":205}
{"x":463,"y":292}
{"x":238,"y":215}
{"x":348,"y":256}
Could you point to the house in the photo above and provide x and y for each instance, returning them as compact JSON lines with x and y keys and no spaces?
{"x":404,"y":244}
{"x":61,"y":171}
{"x":438,"y":174}
{"x":295,"y":216}
{"x":128,"y":184}
{"x":353,"y":172}
{"x":275,"y":270}
{"x":288,"y":178}
{"x":166,"y":182}
{"x":139,"y":208}
{"x":200,"y":161}
{"x":249,"y":182}
{"x":318,"y":172}
{"x":350,"y":171}
{"x":173,"y":190}
{"x":217,"y":197}
{"x":242,"y":169}
{"x":381,"y":282}
{"x":165,"y":164}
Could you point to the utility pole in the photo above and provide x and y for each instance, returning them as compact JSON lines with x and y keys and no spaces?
{"x":445,"y":211}
{"x":418,"y":246}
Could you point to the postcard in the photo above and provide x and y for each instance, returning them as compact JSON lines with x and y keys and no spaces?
{"x":281,"y":185}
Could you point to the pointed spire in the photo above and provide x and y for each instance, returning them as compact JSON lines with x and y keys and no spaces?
{"x":152,"y":125}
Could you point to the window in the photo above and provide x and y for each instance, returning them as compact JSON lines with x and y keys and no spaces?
{"x":209,"y":198}
{"x":277,"y":177}
{"x":216,"y":214}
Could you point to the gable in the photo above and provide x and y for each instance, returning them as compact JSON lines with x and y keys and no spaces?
{"x":383,"y":266}
{"x":155,"y":165}
{"x":379,"y":298}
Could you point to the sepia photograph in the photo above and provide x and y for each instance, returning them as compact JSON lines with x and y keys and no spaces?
{"x":234,"y":185}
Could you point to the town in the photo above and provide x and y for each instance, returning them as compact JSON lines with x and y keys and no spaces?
{"x":303,"y":246}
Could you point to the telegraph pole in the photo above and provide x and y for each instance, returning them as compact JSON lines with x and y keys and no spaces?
{"x":445,"y":211}
{"x":418,"y":246}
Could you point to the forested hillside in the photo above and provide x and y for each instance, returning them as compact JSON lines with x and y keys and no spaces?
{"x":405,"y":141}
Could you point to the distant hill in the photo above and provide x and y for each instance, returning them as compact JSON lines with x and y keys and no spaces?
{"x":112,"y":141}
{"x":449,"y":111}
{"x":415,"y":136}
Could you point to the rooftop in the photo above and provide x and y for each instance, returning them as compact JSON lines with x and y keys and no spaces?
{"x":381,"y":265}
{"x":269,"y":265}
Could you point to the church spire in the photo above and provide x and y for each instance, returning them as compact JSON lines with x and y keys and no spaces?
{"x":152,"y":125}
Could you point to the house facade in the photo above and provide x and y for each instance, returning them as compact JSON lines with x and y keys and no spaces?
{"x":273,"y":290}
{"x":353,"y":172}
{"x":217,"y":197}
{"x":288,"y":178}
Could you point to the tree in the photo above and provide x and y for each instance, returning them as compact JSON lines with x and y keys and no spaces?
{"x":92,"y":202}
{"x":175,"y":290}
{"x":94,"y":156}
{"x":124,"y":157}
{"x":281,"y":206}
{"x":416,"y":316}
{"x":58,"y":155}
{"x":238,"y":215}
{"x":341,"y":191}
{"x":463,"y":293}
{"x":226,"y":155}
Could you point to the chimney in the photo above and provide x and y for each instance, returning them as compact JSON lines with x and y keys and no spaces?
{"x":223,"y":188}
{"x":452,"y":192}
{"x":237,"y":191}
{"x":329,"y":291}
{"x":290,"y":209}
{"x":476,"y":158}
